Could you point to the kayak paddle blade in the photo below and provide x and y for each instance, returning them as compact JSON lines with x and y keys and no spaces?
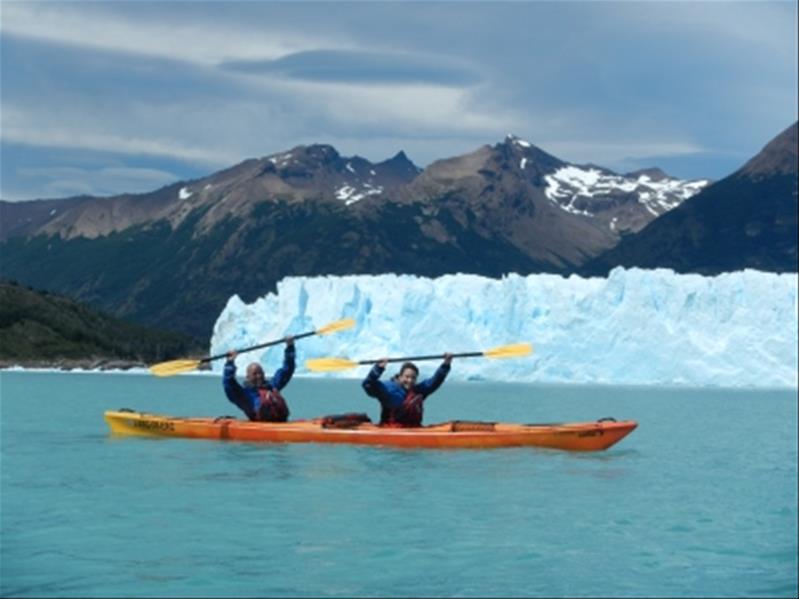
{"x":334,"y":327}
{"x":329,"y":364}
{"x":516,"y":350}
{"x":174,"y":367}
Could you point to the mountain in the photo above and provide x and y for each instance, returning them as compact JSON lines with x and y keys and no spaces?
{"x":172,"y":258}
{"x":747,"y":220}
{"x":304,"y":173}
{"x":39,"y":329}
{"x":319,"y":173}
{"x":556,"y":213}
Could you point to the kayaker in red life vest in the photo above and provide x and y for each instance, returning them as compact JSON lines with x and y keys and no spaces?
{"x":402,"y":398}
{"x":258,"y":398}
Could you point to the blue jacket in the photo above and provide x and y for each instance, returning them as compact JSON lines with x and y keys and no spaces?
{"x":392,"y":395}
{"x":248,"y":398}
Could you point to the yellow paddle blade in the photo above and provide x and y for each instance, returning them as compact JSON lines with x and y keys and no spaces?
{"x":329,"y":364}
{"x":174,"y":367}
{"x":509,"y":351}
{"x":334,"y":327}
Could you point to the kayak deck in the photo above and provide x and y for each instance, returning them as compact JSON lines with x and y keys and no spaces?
{"x":578,"y":436}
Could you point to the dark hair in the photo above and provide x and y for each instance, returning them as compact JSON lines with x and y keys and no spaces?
{"x":410,"y":365}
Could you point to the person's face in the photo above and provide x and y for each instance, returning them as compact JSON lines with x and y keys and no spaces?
{"x":255,"y":375}
{"x":407,"y":378}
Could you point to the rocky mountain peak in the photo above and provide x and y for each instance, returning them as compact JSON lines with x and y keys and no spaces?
{"x":313,"y":156}
{"x":400,"y":156}
{"x":401,"y":161}
{"x":397,"y":170}
{"x":516,"y":141}
{"x":515,"y":144}
{"x":779,"y":156}
{"x":526,"y":156}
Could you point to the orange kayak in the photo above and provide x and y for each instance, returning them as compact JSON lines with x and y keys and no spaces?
{"x":578,"y":436}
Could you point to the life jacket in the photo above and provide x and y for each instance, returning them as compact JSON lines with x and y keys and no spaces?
{"x":407,"y":414}
{"x":271,"y":406}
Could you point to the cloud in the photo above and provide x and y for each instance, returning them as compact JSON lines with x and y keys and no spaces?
{"x":63,"y":96}
{"x":381,"y":108}
{"x":155,"y":32}
{"x":209,"y":84}
{"x":56,"y":179}
{"x":613,"y":152}
{"x":51,"y":172}
{"x":349,"y":66}
{"x":66,"y":181}
{"x":31,"y":127}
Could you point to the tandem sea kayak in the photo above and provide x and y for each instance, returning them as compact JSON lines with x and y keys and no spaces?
{"x":577,"y":436}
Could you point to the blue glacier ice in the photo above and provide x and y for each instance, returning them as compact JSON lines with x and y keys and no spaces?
{"x":635,"y":327}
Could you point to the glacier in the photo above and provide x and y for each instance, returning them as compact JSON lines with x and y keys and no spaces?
{"x":635,"y":327}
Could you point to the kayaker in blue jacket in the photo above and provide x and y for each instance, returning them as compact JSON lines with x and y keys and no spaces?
{"x":402,"y":398}
{"x":258,"y":398}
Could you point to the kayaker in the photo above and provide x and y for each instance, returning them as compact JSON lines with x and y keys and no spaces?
{"x":402,"y":398}
{"x":258,"y":398}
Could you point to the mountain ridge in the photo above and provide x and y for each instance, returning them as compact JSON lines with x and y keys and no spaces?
{"x":315,"y":172}
{"x":746,"y":220}
{"x":507,"y":207}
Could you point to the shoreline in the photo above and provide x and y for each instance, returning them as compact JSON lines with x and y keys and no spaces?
{"x":140,"y":369}
{"x":72,"y":364}
{"x":97,"y":365}
{"x":105,"y":370}
{"x":67,"y":364}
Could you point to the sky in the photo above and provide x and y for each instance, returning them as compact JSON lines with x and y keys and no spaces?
{"x":113,"y":97}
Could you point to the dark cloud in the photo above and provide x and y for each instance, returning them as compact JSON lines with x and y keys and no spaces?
{"x":349,"y":66}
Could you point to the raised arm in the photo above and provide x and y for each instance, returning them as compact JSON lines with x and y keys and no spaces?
{"x":283,"y":374}
{"x":429,"y":386}
{"x":233,"y":389}
{"x":372,"y":384}
{"x":229,"y":382}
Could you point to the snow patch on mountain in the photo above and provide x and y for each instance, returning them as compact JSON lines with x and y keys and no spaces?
{"x":570,"y":184}
{"x":280,"y":160}
{"x":349,"y":194}
{"x":518,"y":141}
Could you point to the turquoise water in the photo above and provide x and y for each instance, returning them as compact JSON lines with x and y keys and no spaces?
{"x":700,"y":500}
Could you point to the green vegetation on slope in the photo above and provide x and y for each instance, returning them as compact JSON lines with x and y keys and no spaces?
{"x":40,"y":327}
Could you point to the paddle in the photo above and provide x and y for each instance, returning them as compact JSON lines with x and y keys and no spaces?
{"x":174,"y":367}
{"x":503,"y":351}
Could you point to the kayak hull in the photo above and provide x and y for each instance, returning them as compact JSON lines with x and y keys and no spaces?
{"x":579,"y":436}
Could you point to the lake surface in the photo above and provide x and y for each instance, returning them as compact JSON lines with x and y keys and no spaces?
{"x":699,"y":501}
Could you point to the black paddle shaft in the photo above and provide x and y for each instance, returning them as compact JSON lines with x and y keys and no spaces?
{"x":471,"y":354}
{"x":267,"y":344}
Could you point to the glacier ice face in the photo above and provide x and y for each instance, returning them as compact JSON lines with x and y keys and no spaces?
{"x":635,"y":327}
